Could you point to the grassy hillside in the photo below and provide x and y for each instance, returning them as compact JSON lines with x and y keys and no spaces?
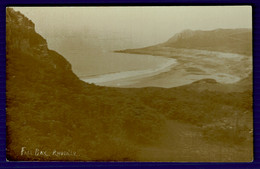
{"x":49,"y":108}
{"x":223,"y":40}
{"x":237,"y":41}
{"x":52,"y":115}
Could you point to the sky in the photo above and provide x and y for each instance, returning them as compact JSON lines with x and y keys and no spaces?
{"x":143,"y":25}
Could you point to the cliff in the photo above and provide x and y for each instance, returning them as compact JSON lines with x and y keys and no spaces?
{"x":24,"y":46}
{"x":237,"y":41}
{"x":222,"y":40}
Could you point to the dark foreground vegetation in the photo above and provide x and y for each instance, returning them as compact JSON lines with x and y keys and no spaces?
{"x":52,"y":115}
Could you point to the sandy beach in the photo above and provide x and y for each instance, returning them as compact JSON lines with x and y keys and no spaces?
{"x":117,"y":78}
{"x":181,"y":67}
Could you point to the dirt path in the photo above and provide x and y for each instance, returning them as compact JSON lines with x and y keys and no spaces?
{"x":185,"y":143}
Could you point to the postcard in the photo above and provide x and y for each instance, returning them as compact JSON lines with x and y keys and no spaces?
{"x":138,"y":84}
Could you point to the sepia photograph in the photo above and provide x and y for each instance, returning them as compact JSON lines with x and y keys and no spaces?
{"x":129,"y":83}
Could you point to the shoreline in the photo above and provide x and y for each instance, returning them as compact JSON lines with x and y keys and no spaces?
{"x":189,"y":66}
{"x":132,"y":74}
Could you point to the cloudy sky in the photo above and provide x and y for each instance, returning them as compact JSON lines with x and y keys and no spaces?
{"x":144,"y":25}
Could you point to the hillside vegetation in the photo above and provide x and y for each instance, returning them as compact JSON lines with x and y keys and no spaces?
{"x":52,"y":115}
{"x":221,"y":40}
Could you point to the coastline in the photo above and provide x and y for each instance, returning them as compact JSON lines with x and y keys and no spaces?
{"x":194,"y":65}
{"x":191,"y":65}
{"x":132,"y":74}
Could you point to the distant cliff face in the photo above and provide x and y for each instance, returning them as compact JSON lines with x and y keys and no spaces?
{"x":223,"y":40}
